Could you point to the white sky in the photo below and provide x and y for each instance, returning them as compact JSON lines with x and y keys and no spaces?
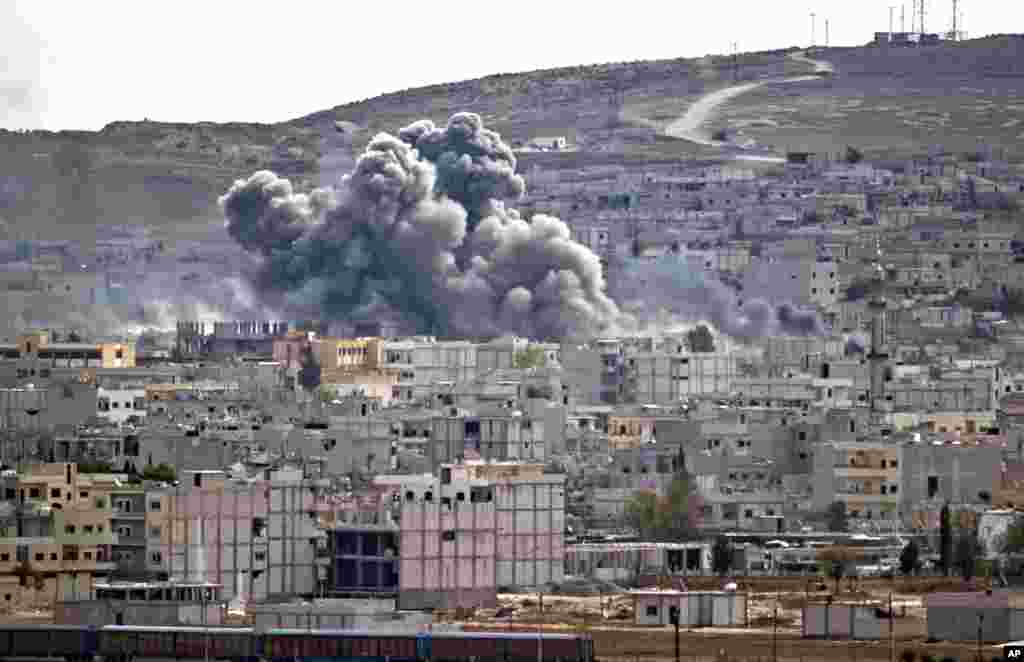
{"x":69,"y":64}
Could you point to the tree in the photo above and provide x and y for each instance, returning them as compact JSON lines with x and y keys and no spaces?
{"x":853,"y":155}
{"x":721,"y":556}
{"x":910,"y":558}
{"x":836,"y":517}
{"x":945,"y":539}
{"x":531,"y":357}
{"x":1013,"y":540}
{"x":968,"y":550}
{"x":309,"y":372}
{"x":669,"y":518}
{"x":700,"y":339}
{"x":161,"y":473}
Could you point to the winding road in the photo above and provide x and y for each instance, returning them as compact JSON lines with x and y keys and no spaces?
{"x":688,"y":127}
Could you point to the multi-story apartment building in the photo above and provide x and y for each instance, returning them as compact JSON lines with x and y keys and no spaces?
{"x":663,"y":378}
{"x":504,"y":523}
{"x":866,"y":477}
{"x":59,"y":528}
{"x":422,"y":363}
{"x":797,"y":281}
{"x":257,"y":537}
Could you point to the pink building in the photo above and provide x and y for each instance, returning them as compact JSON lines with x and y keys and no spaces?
{"x":447,"y":556}
{"x":477,"y":528}
{"x":256,"y":539}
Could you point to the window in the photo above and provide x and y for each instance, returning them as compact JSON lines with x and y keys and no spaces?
{"x":83,"y":495}
{"x":125,"y":531}
{"x":5,"y":557}
{"x":88,"y":556}
{"x":154,"y":532}
{"x":40,"y":556}
{"x":260,"y":556}
{"x":448,"y":536}
{"x":933,"y":486}
{"x":34,"y":493}
{"x":87,"y":528}
{"x":154,"y":505}
{"x":70,"y":529}
{"x":652,"y":610}
{"x":53,"y":556}
{"x":101,"y":503}
{"x":55,"y":493}
{"x":156,"y":557}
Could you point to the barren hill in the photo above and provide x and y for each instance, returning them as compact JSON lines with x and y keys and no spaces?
{"x":167,"y":176}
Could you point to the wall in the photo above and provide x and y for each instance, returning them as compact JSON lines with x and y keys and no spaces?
{"x":842,"y":622}
{"x":447,"y":555}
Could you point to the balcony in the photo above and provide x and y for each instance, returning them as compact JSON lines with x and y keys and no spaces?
{"x":862,"y":471}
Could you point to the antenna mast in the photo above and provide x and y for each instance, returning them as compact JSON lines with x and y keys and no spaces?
{"x":826,"y":33}
{"x":903,"y":18}
{"x":956,"y":35}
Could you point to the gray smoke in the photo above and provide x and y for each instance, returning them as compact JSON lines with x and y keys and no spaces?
{"x":419,"y":230}
{"x":669,"y":284}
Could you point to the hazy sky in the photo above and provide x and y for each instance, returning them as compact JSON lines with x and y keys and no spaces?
{"x":66,"y":64}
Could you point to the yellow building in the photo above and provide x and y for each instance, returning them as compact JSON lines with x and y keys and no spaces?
{"x":349,"y":353}
{"x":60,"y":540}
{"x":866,"y":477}
{"x":631,"y":431}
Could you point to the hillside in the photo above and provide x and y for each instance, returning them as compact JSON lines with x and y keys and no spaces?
{"x":167,"y":176}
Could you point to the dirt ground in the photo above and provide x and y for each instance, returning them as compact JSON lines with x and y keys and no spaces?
{"x":609,"y":619}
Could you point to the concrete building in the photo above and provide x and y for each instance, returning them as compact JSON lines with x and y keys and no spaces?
{"x":120,"y":405}
{"x":867,"y":478}
{"x":159,"y":604}
{"x":800,"y":282}
{"x":256,"y":537}
{"x":695,"y":608}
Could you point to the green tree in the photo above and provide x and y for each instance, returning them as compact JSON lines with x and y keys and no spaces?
{"x":95,"y":468}
{"x":836,"y":517}
{"x":668,"y":518}
{"x":162,"y":473}
{"x":910,"y":558}
{"x":1013,"y":540}
{"x":945,"y":540}
{"x":700,"y":339}
{"x":531,"y":357}
{"x":721,"y":556}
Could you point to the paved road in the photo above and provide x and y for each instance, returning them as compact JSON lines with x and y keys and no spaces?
{"x":688,"y":127}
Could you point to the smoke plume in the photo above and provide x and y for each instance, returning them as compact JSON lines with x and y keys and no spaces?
{"x":670,"y":284}
{"x":419,"y":230}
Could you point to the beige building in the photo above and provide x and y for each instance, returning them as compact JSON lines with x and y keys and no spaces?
{"x":864,"y":476}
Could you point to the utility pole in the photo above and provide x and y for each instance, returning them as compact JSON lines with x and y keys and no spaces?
{"x":903,"y":18}
{"x":735,"y":61}
{"x":956,"y":36}
{"x":892,"y":635}
{"x":921,"y":33}
{"x":775,"y":630}
{"x":812,"y":30}
{"x":891,"y":8}
{"x":826,"y":33}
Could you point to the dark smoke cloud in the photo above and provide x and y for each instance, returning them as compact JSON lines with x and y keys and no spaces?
{"x":419,"y":229}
